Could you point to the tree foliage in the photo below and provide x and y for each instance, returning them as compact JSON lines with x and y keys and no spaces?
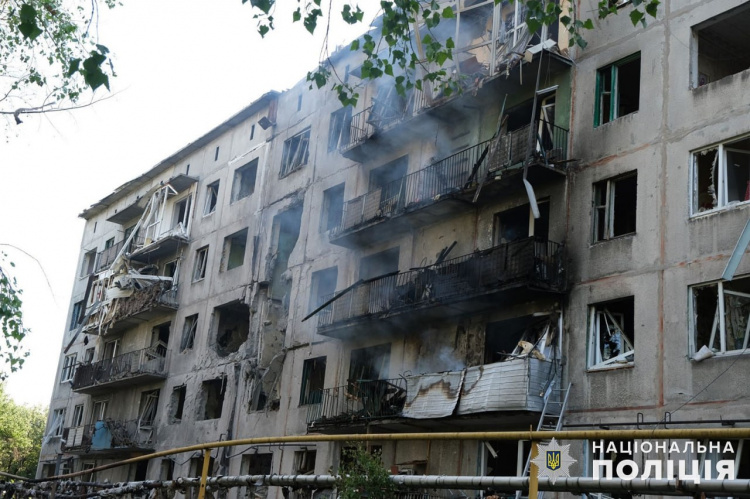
{"x":362,"y":475}
{"x":49,"y":54}
{"x":392,"y":52}
{"x":11,"y":320}
{"x":21,"y":432}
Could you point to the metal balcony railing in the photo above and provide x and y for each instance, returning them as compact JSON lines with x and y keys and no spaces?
{"x":105,"y":258}
{"x":359,"y":400}
{"x":152,"y":360}
{"x":109,"y":435}
{"x":527,"y":261}
{"x":452,"y":174}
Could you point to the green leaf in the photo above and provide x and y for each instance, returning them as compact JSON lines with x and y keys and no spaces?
{"x":73,"y":67}
{"x":637,"y":16}
{"x":588,"y":24}
{"x":296,"y":15}
{"x":263,"y":30}
{"x":263,"y":5}
{"x":449,"y":43}
{"x":28,"y":26}
{"x":448,"y":13}
{"x":354,"y":45}
{"x":652,"y":8}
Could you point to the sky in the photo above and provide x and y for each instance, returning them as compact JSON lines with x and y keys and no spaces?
{"x":183,"y":67}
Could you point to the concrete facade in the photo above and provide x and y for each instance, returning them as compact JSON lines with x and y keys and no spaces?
{"x":441,"y":266}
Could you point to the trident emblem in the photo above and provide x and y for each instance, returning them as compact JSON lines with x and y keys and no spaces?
{"x":553,"y":459}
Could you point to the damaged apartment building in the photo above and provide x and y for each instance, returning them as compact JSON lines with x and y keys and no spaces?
{"x":549,"y":246}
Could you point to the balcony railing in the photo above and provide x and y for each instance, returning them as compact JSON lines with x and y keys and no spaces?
{"x":109,"y":435}
{"x":105,"y":258}
{"x":359,"y":400}
{"x":528,"y":261}
{"x":148,"y":362}
{"x":459,"y":171}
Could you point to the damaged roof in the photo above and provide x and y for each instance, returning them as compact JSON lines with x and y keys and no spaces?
{"x":131,"y":186}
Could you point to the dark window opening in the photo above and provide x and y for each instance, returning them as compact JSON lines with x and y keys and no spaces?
{"x":615,"y":203}
{"x":201,"y":262}
{"x":503,"y":457}
{"x":618,"y":89}
{"x":379,"y":264}
{"x":720,"y":46}
{"x":89,"y":259}
{"x":255,"y":464}
{"x":370,"y":363}
{"x":166,"y":469}
{"x":519,"y":223}
{"x":212,"y":398}
{"x":216,"y":154}
{"x":286,"y":228}
{"x":502,"y":337}
{"x":147,"y":408}
{"x":140,"y":469}
{"x":188,"y":332}
{"x":177,"y":403}
{"x":182,"y":212}
{"x":243,"y":184}
{"x":160,"y":338}
{"x":304,"y":462}
{"x":721,"y":175}
{"x":212,"y":197}
{"x":313,"y":380}
{"x":233,"y":327}
{"x":333,"y":207}
{"x":612,"y":333}
{"x":322,"y":286}
{"x":252,"y":132}
{"x":77,"y":315}
{"x":234,"y":249}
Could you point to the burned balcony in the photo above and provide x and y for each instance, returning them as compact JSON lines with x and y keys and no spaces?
{"x":468,"y":283}
{"x":356,"y":402}
{"x":515,"y":387}
{"x":132,"y":368}
{"x":451,"y":183}
{"x":109,"y":439}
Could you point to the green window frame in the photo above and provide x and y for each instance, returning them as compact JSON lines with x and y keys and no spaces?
{"x":615,"y":95}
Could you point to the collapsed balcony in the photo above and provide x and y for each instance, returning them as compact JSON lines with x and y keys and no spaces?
{"x":109,"y":439}
{"x":515,"y":386}
{"x":132,"y":368}
{"x":447,"y":185}
{"x":468,"y":283}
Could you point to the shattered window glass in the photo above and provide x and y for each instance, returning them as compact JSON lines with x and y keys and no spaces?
{"x":721,"y":176}
{"x":611,"y":334}
{"x":721,"y":325}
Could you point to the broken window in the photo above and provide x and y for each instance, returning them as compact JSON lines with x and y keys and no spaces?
{"x":77,"y":315}
{"x":721,"y":175}
{"x":212,"y":398}
{"x":177,"y":403}
{"x":77,"y":415}
{"x":243,"y":183}
{"x":201,"y":262}
{"x":233,"y":327}
{"x":615,"y":207}
{"x":147,"y":408}
{"x":379,"y":264}
{"x":313,"y":379}
{"x":618,"y":89}
{"x":88,"y":355}
{"x":56,"y":423}
{"x":505,"y":457}
{"x":170,"y":270}
{"x":188,"y":332}
{"x":69,"y":367}
{"x":166,"y":469}
{"x":721,"y":324}
{"x":519,"y":223}
{"x":339,"y":129}
{"x":89,"y":259}
{"x":234,"y":250}
{"x":304,"y":462}
{"x":369,"y":363}
{"x":212,"y":198}
{"x":255,"y":464}
{"x":160,"y":338}
{"x":296,"y":153}
{"x":322,"y":286}
{"x":720,"y":46}
{"x":611,"y":334}
{"x":333,"y":207}
{"x":286,"y":227}
{"x":181,"y":213}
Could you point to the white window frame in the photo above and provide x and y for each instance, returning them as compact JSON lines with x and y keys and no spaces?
{"x":69,"y":368}
{"x":719,"y":322}
{"x":201,"y":262}
{"x":78,"y":412}
{"x":721,"y":186}
{"x":212,"y":198}
{"x":189,"y":329}
{"x":613,"y":322}
{"x":294,"y":158}
{"x":607,"y":209}
{"x":57,"y":423}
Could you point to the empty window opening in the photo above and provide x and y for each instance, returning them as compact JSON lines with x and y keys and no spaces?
{"x":379,"y":264}
{"x":618,"y":89}
{"x":369,"y":363}
{"x":322,"y":286}
{"x":139,"y":470}
{"x":88,"y":355}
{"x":177,"y":403}
{"x":519,"y":223}
{"x":89,"y":259}
{"x":295,"y":153}
{"x":196,"y":469}
{"x":234,"y":250}
{"x":69,"y":368}
{"x":166,"y":469}
{"x":216,"y":154}
{"x":212,"y":398}
{"x":160,"y":338}
{"x":721,"y":324}
{"x":384,"y":176}
{"x":255,"y":464}
{"x":313,"y":380}
{"x":304,"y":462}
{"x":611,"y":334}
{"x":501,"y":338}
{"x":111,"y":349}
{"x":721,"y":176}
{"x":147,"y":408}
{"x":77,"y":415}
{"x":181,"y":214}
{"x":339,"y":129}
{"x":333,"y":207}
{"x":615,"y":203}
{"x":243,"y":183}
{"x":76,"y":315}
{"x":212,"y":198}
{"x":720,"y":46}
{"x":285,"y":232}
{"x":201,"y":262}
{"x":188,"y":332}
{"x":505,"y":458}
{"x":252,"y":131}
{"x":170,"y":270}
{"x":233,"y":327}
